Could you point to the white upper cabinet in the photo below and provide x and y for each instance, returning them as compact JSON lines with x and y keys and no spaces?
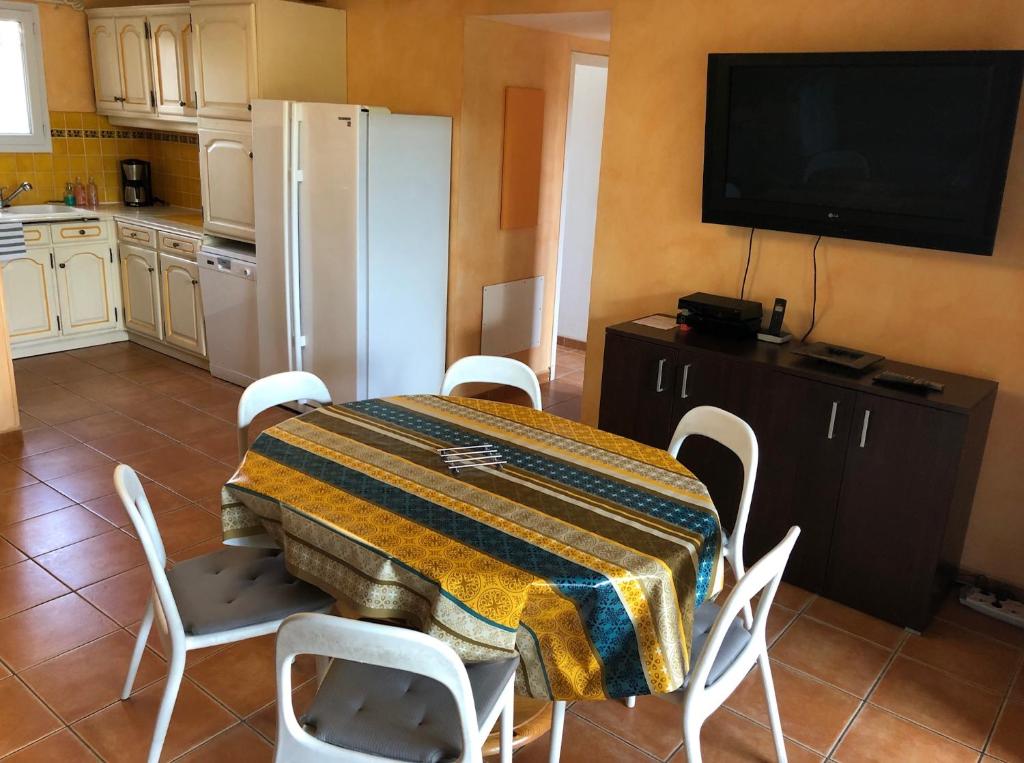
{"x":106,"y":65}
{"x":226,"y":179}
{"x":173,"y":82}
{"x":30,"y":296}
{"x":133,"y":48}
{"x":225,"y":59}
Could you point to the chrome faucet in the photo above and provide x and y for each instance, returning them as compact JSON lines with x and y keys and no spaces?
{"x":5,"y":201}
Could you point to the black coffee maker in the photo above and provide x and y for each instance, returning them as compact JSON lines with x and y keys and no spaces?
{"x":136,"y":183}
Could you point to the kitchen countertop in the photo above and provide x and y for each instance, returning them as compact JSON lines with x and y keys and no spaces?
{"x":173,"y":219}
{"x":181,"y":220}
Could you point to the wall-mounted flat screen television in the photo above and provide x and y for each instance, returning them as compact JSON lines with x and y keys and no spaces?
{"x":901,"y":148}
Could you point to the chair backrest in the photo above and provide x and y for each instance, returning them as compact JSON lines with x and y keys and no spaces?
{"x":736,"y":435}
{"x":371,"y":644}
{"x":494,"y":370}
{"x":285,"y":387}
{"x":133,"y":496}
{"x":763,"y":578}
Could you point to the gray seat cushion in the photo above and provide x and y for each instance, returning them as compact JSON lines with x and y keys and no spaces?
{"x":396,"y":714}
{"x":736,"y":638}
{"x":236,"y":587}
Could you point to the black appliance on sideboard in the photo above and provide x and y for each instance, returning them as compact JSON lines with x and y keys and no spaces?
{"x":904,"y":148}
{"x":880,"y":479}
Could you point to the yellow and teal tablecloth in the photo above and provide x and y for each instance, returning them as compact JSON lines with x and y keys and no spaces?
{"x":587,"y":553}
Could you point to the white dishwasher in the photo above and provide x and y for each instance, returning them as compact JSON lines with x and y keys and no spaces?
{"x":227,"y":276}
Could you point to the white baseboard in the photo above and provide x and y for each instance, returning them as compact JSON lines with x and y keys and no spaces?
{"x":62,"y":343}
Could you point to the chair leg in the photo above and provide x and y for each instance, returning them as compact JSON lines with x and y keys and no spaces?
{"x":557,"y":723}
{"x":631,"y":702}
{"x":140,"y":647}
{"x":773,"y":707}
{"x":691,"y":739}
{"x":175,"y":672}
{"x":506,"y":726}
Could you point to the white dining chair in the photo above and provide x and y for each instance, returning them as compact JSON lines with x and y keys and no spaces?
{"x":276,"y":389}
{"x":735,"y":434}
{"x":218,"y":598}
{"x":727,"y":651}
{"x":493,"y":370}
{"x":390,"y":694}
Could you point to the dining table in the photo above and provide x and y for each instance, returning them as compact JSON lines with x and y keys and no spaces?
{"x":584,"y":552}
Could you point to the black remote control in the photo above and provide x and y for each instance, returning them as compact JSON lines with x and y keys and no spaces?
{"x":893,"y":379}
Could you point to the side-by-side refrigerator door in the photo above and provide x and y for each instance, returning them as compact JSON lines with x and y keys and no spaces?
{"x":308,"y":242}
{"x":409,"y":187}
{"x":330,"y":242}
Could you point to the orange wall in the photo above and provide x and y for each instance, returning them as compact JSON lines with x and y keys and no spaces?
{"x":498,"y":55}
{"x":66,"y":58}
{"x":952,"y":311}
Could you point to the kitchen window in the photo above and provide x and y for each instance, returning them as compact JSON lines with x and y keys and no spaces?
{"x":24,"y":120}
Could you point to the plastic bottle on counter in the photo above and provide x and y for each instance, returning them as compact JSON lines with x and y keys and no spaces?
{"x":69,"y":195}
{"x":80,"y":200}
{"x":92,"y":194}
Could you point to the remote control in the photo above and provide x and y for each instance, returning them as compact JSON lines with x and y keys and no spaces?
{"x":910,"y":382}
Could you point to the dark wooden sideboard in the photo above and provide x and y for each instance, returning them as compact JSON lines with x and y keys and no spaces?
{"x":880,"y":480}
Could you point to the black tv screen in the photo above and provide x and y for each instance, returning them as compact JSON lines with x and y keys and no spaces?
{"x":901,"y":148}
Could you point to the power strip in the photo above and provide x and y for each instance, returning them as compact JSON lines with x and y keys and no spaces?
{"x":1008,"y":610}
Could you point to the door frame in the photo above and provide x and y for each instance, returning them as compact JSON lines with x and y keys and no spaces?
{"x":576,"y":60}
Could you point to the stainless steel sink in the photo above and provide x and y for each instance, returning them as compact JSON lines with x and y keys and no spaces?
{"x":44,"y":213}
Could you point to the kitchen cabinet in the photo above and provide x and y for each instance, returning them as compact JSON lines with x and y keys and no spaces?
{"x":225,"y":60}
{"x":140,"y":286}
{"x":880,"y":480}
{"x":182,"y":304}
{"x":163,"y":306}
{"x":226,"y":175}
{"x":106,"y":65}
{"x":63,"y":293}
{"x":30,"y":296}
{"x":85,"y":287}
{"x":173,"y":76}
{"x":133,"y":52}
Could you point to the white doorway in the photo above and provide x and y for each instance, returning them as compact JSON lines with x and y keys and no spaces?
{"x":588,"y":85}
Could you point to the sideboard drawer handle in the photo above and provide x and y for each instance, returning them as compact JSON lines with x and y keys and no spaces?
{"x":683,"y":389}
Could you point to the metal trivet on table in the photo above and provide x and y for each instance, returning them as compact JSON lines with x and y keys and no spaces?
{"x":471,"y":457}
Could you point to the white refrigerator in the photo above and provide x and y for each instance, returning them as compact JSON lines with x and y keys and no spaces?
{"x":352,"y":210}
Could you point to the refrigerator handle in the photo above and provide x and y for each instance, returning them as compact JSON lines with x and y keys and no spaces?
{"x":294,"y":258}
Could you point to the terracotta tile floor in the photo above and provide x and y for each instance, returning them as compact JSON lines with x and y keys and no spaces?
{"x":72,"y":589}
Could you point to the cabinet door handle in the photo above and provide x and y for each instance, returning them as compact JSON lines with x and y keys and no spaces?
{"x":63,"y":265}
{"x":683,"y":391}
{"x":864,"y":428}
{"x":150,"y":269}
{"x":832,"y":420}
{"x":660,"y":384}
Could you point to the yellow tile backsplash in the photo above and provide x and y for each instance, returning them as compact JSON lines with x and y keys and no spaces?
{"x":86,"y":145}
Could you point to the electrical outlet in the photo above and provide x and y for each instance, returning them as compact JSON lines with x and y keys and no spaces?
{"x":1008,"y":610}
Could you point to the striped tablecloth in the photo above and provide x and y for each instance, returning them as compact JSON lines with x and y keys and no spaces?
{"x":587,"y":553}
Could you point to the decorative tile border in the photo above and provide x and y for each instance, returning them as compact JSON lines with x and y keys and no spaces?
{"x":165,"y":137}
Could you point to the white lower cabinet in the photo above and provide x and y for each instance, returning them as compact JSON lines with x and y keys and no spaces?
{"x":182,"y":304}
{"x":85,"y":287}
{"x":30,"y":295}
{"x":140,"y":288}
